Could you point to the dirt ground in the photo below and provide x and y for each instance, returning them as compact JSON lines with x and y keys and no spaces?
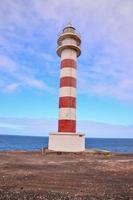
{"x":85,"y":176}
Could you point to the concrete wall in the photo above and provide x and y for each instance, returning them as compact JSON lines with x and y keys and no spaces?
{"x":69,"y":54}
{"x":66,"y":142}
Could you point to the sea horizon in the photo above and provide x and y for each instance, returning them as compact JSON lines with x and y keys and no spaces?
{"x":33,"y":143}
{"x":48,"y":136}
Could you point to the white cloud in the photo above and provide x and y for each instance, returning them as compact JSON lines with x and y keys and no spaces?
{"x":7,"y":64}
{"x":19,"y":77}
{"x":42,"y":127}
{"x":11,"y":87}
{"x":104,"y":130}
{"x":106,"y":27}
{"x":47,"y":57}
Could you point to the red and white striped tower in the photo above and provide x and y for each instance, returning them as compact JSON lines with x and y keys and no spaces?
{"x":68,"y":50}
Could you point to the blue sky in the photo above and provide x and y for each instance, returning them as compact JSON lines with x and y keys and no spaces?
{"x":29,"y":66}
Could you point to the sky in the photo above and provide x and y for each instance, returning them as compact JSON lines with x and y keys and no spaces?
{"x":30,"y":67}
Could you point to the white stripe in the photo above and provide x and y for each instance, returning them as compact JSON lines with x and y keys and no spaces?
{"x":69,"y":41}
{"x":67,"y":113}
{"x":67,"y":91}
{"x":69,"y":54}
{"x":68,"y":71}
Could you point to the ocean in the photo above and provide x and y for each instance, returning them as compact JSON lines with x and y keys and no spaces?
{"x":10,"y":142}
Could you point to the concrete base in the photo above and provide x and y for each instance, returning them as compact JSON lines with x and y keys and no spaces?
{"x":66,"y":142}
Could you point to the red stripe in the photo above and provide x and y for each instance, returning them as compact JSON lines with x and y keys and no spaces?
{"x":67,"y":102}
{"x":68,"y":63}
{"x":68,"y":82}
{"x":67,"y":126}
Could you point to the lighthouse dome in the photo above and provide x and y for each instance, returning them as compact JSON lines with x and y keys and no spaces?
{"x":69,"y":28}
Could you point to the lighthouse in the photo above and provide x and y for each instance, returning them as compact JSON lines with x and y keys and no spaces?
{"x":67,"y":139}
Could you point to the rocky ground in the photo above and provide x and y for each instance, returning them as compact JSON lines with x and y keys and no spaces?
{"x":84,"y":176}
